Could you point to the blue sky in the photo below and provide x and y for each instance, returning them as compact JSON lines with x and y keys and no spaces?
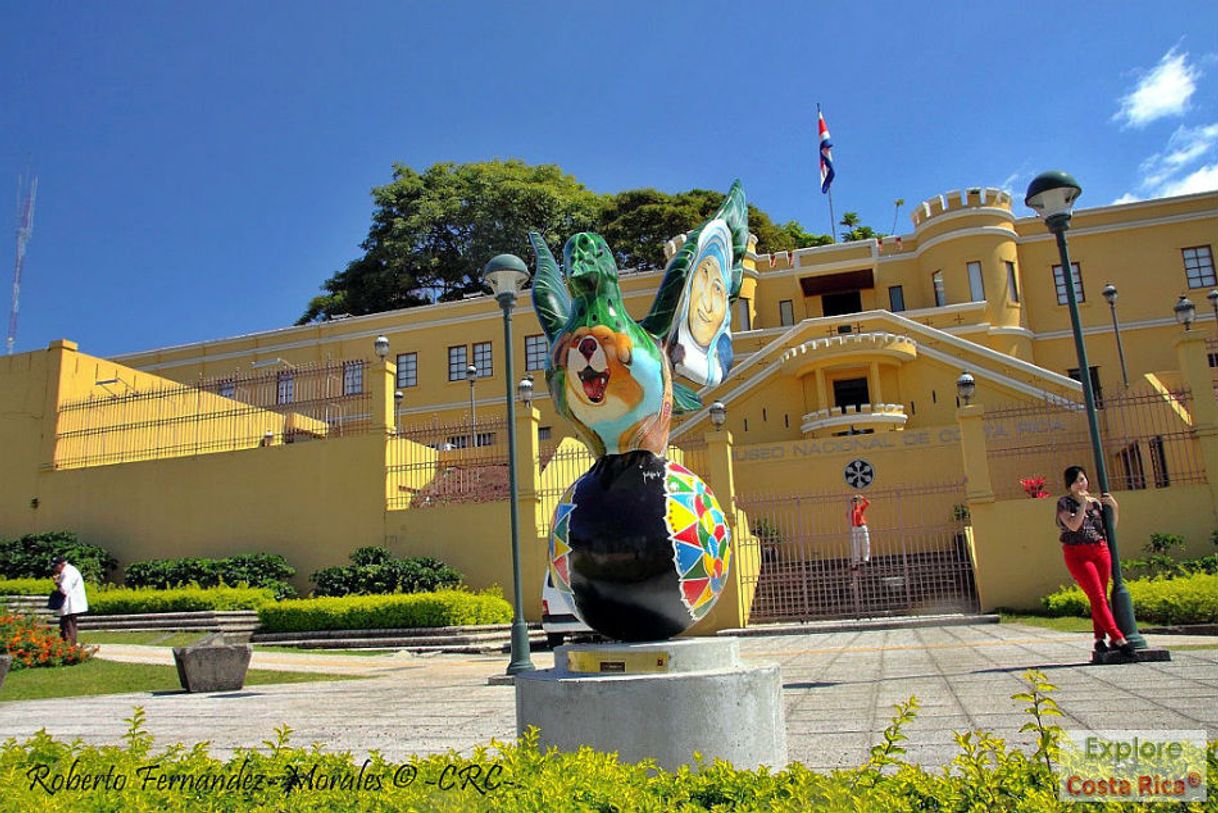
{"x":204,"y":167}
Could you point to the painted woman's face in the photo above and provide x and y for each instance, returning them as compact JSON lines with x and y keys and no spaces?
{"x":707,"y":302}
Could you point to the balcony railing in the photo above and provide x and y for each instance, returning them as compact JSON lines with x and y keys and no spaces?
{"x":864,"y":416}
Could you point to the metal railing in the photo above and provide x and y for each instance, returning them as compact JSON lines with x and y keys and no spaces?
{"x":434,"y":464}
{"x":124,"y":423}
{"x":1148,"y":441}
{"x":919,"y":559}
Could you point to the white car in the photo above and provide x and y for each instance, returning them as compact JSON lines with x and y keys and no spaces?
{"x":558,"y":618}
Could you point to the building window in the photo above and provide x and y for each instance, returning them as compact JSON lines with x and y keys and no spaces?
{"x":227,"y":388}
{"x":896,"y":298}
{"x":1096,"y":390}
{"x":976,"y":285}
{"x":1012,"y":283}
{"x":285,"y":388}
{"x":408,"y":370}
{"x":544,"y":432}
{"x":462,"y":441}
{"x":482,"y":359}
{"x":1059,"y":282}
{"x":850,"y":392}
{"x":1131,"y":467}
{"x":936,"y":280}
{"x":786,"y":312}
{"x":1199,"y":266}
{"x":457,"y":362}
{"x":742,"y":320}
{"x":1158,"y":462}
{"x":353,"y":377}
{"x":535,"y":351}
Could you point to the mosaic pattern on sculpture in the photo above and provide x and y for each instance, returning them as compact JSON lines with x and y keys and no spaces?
{"x":700,"y":536}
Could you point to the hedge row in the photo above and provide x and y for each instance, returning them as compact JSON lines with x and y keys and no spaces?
{"x":30,"y":556}
{"x":446,"y":608}
{"x":374,"y":571}
{"x":1183,"y":600}
{"x":986,"y":774}
{"x":126,"y":600}
{"x":251,"y":569}
{"x":26,"y":587}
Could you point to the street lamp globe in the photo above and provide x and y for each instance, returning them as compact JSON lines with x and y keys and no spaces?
{"x":524,"y":391}
{"x":966,"y":386}
{"x":1052,"y":194}
{"x":471,"y":373}
{"x":505,"y":275}
{"x":381,"y":346}
{"x":718,"y":414}
{"x":1110,"y":293}
{"x":1186,"y":312}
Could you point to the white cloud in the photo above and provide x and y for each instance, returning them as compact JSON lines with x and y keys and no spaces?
{"x":1186,"y":145}
{"x":1204,"y":179}
{"x":1128,"y":197}
{"x":1163,"y":91}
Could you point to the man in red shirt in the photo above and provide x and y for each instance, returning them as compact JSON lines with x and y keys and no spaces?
{"x":860,"y":538}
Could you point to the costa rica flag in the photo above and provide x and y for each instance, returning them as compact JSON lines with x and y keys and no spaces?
{"x":826,"y":155}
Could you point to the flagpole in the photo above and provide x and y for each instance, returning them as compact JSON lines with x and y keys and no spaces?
{"x":829,"y":192}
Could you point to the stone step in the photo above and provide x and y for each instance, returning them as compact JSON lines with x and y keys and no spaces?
{"x":436,"y":645}
{"x":411,"y":632}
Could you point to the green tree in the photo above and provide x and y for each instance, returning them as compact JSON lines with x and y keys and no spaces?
{"x":432,"y":232}
{"x":855,"y":230}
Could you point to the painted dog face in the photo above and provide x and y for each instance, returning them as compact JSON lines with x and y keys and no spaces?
{"x":599,"y":383}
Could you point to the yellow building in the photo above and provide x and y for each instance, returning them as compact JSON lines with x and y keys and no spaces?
{"x":847,"y":358}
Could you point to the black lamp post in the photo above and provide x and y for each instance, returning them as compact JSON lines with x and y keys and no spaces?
{"x":506,"y":275}
{"x":1110,"y":294}
{"x":471,"y":375}
{"x":1212,"y":296}
{"x":1052,"y":195}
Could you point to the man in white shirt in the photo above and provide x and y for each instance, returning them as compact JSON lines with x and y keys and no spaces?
{"x":69,"y":582}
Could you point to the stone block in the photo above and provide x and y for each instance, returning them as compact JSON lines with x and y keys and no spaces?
{"x":5,"y":662}
{"x":210,"y":666}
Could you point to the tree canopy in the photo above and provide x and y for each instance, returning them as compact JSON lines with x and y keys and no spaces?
{"x":432,"y":231}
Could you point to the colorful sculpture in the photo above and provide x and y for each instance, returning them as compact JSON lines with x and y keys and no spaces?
{"x":640,"y":542}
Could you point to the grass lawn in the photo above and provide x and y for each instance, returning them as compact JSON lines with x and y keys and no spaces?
{"x":110,"y":677}
{"x":1062,"y":624}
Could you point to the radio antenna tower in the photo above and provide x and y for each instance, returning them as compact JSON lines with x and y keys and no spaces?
{"x":25,"y":227}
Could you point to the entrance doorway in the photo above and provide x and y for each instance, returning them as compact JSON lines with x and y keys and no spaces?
{"x":842,"y":304}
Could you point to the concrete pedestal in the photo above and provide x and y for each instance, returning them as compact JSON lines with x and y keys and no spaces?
{"x":212,"y":668}
{"x":5,"y":662}
{"x":662,"y":700}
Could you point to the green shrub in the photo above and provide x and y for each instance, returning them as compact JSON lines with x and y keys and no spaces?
{"x":374,"y":572}
{"x":1185,"y":600}
{"x":448,"y":608}
{"x":126,"y":600}
{"x":26,"y":587}
{"x":30,"y":556}
{"x":252,"y":569}
{"x":986,"y":774}
{"x":1163,"y":543}
{"x":32,"y":644}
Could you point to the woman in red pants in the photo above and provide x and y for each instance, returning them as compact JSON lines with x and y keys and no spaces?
{"x":1081,"y":520}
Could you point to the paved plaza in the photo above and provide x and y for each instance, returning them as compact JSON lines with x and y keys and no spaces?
{"x":839,"y":690}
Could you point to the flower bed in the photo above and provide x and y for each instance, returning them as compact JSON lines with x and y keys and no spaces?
{"x":445,"y":608}
{"x":32,"y":644}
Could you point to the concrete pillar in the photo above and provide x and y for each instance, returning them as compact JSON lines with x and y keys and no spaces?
{"x":1192,"y":357}
{"x":873,"y":383}
{"x":822,"y":396}
{"x":736,"y":601}
{"x":978,"y":487}
{"x":381,"y":375}
{"x":61,"y":365}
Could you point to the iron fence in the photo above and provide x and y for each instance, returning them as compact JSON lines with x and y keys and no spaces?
{"x":434,"y":464}
{"x":918,"y":560}
{"x":121,"y":423}
{"x":1148,"y":441}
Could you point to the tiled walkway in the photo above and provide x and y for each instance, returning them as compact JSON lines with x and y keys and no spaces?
{"x":839,"y":690}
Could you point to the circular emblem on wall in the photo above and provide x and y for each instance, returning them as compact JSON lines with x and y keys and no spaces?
{"x":859,"y":474}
